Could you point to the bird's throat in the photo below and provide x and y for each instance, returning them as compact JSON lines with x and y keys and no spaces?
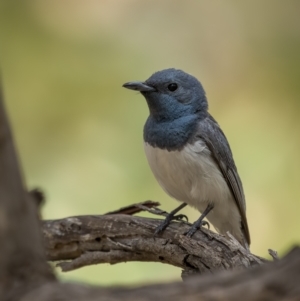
{"x":170,"y":135}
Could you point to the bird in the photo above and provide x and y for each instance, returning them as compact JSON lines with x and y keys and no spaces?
{"x":189,"y":154}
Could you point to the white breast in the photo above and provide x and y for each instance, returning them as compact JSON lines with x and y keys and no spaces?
{"x":192,"y":176}
{"x":189,"y":175}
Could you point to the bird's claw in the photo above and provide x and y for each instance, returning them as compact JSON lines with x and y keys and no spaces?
{"x":180,"y":217}
{"x":162,"y":226}
{"x":205,"y":223}
{"x":171,"y":216}
{"x":167,"y":221}
{"x":196,"y":227}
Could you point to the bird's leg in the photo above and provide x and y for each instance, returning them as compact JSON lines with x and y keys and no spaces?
{"x":199,"y":222}
{"x":171,"y":216}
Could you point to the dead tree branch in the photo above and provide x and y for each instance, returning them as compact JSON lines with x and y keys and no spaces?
{"x":276,"y":281}
{"x":86,"y":240}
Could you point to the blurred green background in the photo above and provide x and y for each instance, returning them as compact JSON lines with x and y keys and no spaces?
{"x":79,"y":133}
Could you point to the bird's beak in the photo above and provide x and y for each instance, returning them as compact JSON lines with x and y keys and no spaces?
{"x":139,"y":86}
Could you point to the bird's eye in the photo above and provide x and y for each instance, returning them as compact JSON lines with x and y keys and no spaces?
{"x":172,"y":87}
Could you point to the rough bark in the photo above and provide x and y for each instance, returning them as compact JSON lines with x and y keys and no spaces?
{"x":276,"y":281}
{"x":118,"y":238}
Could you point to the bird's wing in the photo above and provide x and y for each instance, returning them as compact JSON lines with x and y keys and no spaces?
{"x":211,"y":133}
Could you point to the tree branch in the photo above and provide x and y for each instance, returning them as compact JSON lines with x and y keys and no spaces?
{"x":277,"y":281}
{"x":87,"y":240}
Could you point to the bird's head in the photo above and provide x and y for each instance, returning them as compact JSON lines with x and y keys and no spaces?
{"x":172,"y":94}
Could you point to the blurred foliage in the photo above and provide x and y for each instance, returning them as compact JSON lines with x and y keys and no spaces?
{"x":79,"y":133}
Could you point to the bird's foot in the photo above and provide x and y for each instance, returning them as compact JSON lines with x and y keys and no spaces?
{"x":167,"y":221}
{"x":162,"y":226}
{"x":200,"y":222}
{"x":170,"y":217}
{"x":196,"y":226}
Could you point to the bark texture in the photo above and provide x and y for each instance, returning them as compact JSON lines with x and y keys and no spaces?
{"x":276,"y":281}
{"x":87,"y":240}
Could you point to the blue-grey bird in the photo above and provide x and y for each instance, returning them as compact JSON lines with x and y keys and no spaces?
{"x":189,"y":155}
